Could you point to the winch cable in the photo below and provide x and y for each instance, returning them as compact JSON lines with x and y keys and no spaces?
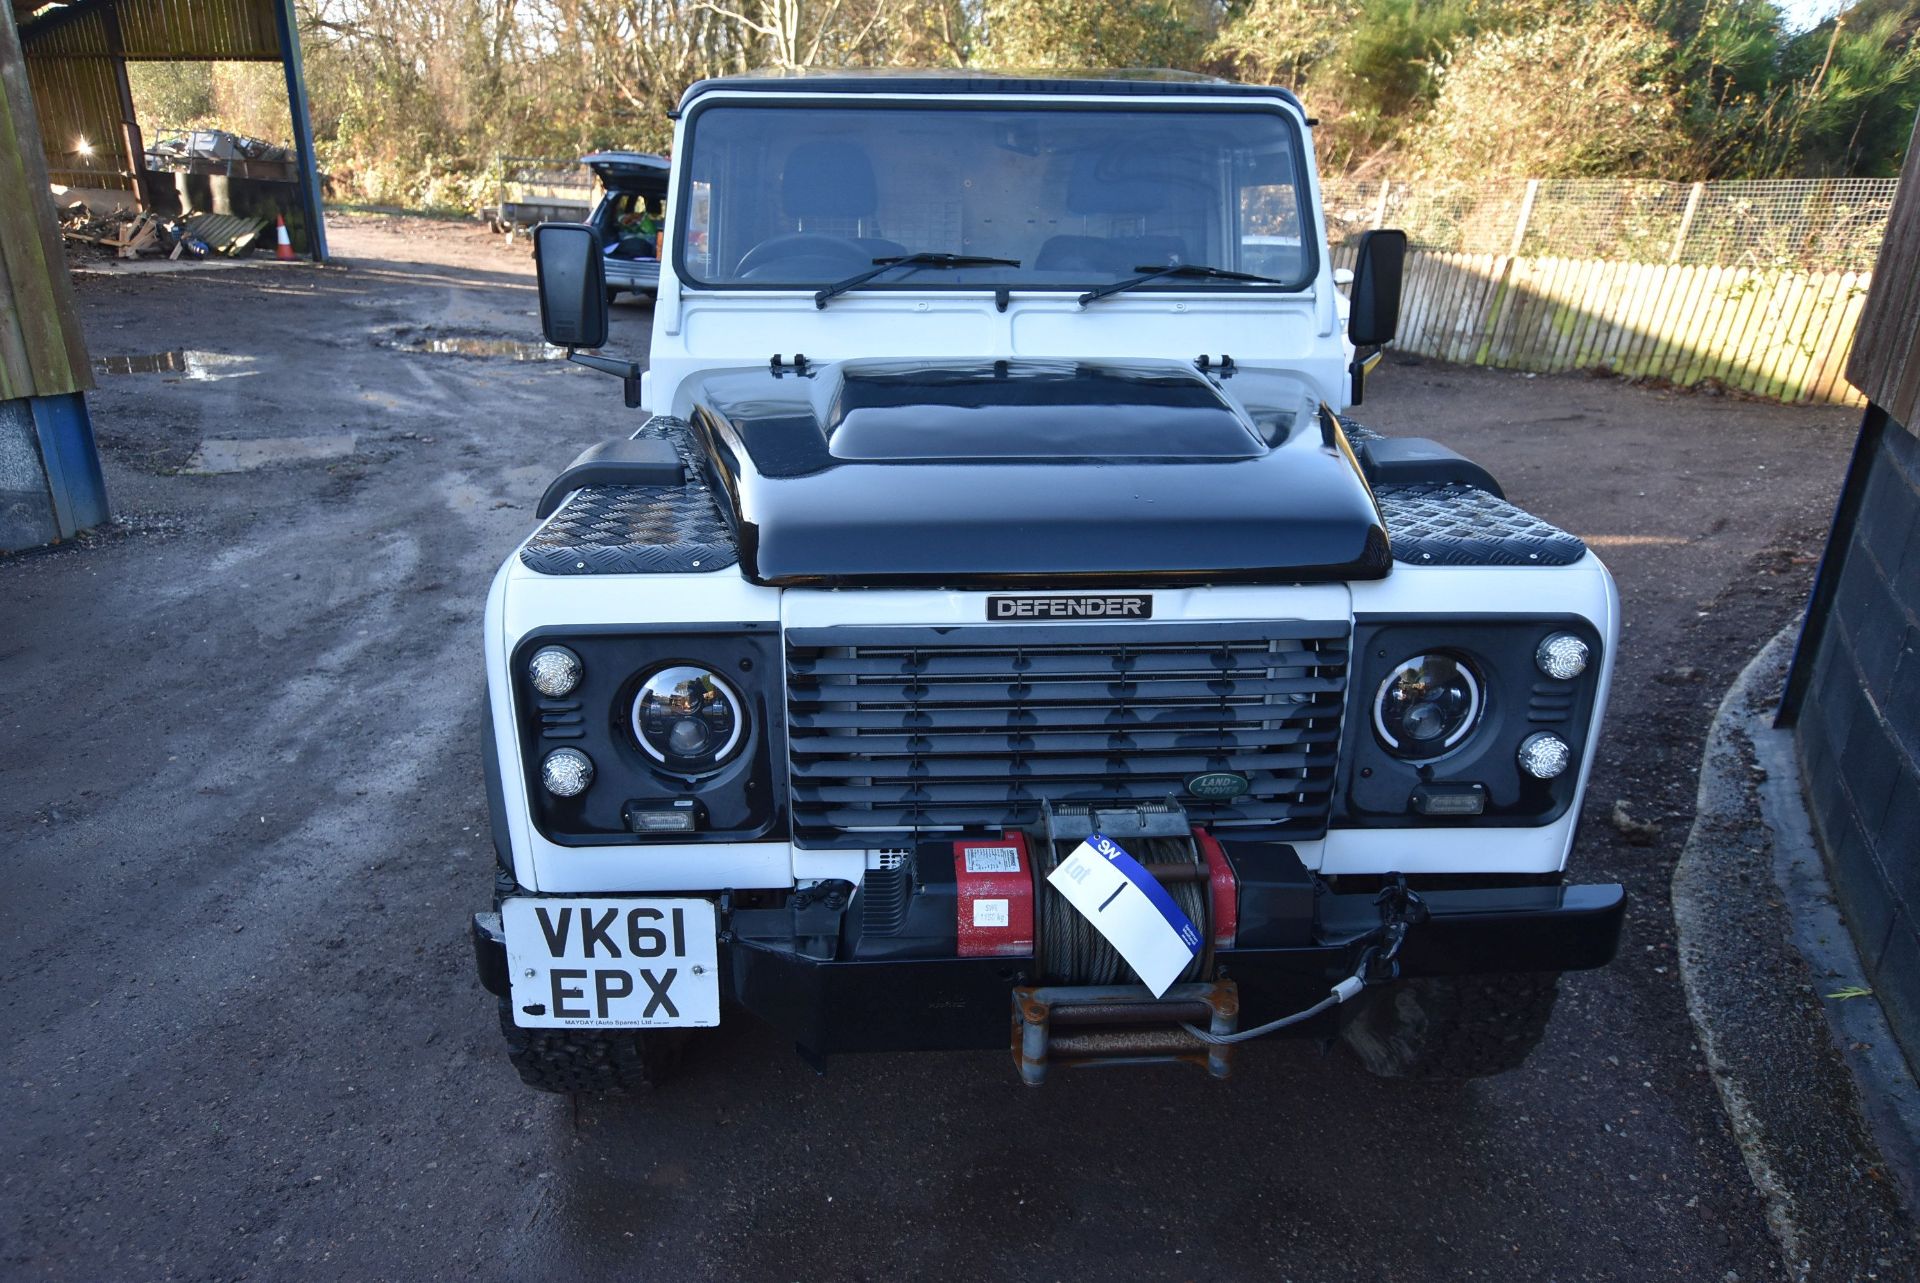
{"x":1346,"y":989}
{"x":1400,"y":908}
{"x":1074,"y":950}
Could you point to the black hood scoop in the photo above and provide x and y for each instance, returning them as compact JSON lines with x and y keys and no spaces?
{"x":1044,"y":473}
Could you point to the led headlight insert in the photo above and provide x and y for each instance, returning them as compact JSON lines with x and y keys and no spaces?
{"x":554,"y":671}
{"x":1562,"y":657}
{"x":688,"y":719}
{"x":1427,"y":706}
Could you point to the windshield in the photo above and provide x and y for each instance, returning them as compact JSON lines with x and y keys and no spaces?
{"x":789,"y":196}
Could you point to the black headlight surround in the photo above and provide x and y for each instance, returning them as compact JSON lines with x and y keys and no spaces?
{"x":1376,"y":787}
{"x":742,"y":798}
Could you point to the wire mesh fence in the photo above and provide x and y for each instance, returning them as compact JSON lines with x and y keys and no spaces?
{"x":1813,"y":224}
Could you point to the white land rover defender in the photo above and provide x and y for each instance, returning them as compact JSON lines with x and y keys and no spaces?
{"x":993,"y":497}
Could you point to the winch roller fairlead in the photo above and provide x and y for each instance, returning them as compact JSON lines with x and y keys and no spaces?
{"x":1085,"y":1014}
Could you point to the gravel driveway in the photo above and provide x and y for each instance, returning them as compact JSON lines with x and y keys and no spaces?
{"x":244,"y":820}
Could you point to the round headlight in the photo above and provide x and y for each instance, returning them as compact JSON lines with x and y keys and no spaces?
{"x":1427,"y":706}
{"x":1562,"y":657}
{"x":1544,"y":755}
{"x":566,"y":772}
{"x":554,"y":671}
{"x":688,"y":719}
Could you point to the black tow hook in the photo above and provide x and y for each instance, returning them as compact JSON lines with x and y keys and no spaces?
{"x":1400,"y":909}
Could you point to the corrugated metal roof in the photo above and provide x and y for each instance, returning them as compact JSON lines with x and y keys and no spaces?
{"x":79,"y":106}
{"x":236,"y":30}
{"x":70,"y":51}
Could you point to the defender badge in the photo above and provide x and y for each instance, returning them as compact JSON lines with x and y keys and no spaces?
{"x":1219,"y":784}
{"x":1122,"y":606}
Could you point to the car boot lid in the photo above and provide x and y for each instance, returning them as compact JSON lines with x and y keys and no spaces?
{"x":636,"y":171}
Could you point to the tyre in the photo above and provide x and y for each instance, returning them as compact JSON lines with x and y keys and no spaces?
{"x":1452,"y":1026}
{"x":590,"y":1060}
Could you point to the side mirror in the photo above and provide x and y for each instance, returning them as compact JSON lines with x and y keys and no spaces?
{"x":573,"y":284}
{"x":1374,"y":316}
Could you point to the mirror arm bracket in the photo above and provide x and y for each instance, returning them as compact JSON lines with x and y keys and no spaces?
{"x":1364,"y":362}
{"x":627,"y":372}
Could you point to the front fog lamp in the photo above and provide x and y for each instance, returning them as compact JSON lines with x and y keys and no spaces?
{"x":566,"y":772}
{"x":1544,"y":755}
{"x":1562,"y":657}
{"x":554,"y":671}
{"x":1427,"y":706}
{"x":688,"y":719}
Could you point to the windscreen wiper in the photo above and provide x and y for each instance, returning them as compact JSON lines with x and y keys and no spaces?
{"x":1152,"y":273}
{"x":884,"y":265}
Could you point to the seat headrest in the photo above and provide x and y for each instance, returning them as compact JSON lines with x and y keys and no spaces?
{"x":828,"y":180}
{"x":1117,"y":183}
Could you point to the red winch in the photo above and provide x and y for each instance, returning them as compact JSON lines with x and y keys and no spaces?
{"x":997,"y":880}
{"x":1005,"y":908}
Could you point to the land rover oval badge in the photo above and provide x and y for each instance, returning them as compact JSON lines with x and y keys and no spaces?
{"x":1219,"y":784}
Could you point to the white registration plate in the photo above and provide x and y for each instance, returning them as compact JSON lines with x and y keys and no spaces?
{"x":607,"y":963}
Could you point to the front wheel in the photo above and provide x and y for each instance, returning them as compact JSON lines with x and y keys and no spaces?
{"x":591,"y":1060}
{"x":1453,"y":1026}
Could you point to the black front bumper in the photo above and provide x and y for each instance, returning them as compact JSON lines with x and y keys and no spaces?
{"x":831,"y":1005}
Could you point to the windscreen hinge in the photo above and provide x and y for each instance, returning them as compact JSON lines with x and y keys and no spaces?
{"x":780,"y":365}
{"x":1224,"y":368}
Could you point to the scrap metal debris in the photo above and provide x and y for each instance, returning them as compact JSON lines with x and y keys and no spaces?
{"x":133,"y":234}
{"x":226,"y":233}
{"x":216,"y":151}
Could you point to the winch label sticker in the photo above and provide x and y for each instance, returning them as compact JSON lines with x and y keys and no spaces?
{"x":993,"y":859}
{"x":989,"y":913}
{"x":1130,"y":908}
{"x":1121,"y":606}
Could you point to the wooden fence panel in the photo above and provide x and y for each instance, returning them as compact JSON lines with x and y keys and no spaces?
{"x":1766,"y":375}
{"x":1830,"y":364}
{"x":1799,"y":371}
{"x":1779,"y":333}
{"x":1742,"y":289}
{"x":1657,"y":291}
{"x":1704,"y":329}
{"x":1783,"y":334}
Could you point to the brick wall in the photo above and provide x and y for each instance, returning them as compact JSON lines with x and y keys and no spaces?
{"x":1859,"y":726}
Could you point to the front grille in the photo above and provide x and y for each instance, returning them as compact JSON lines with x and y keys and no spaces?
{"x":895,"y":733}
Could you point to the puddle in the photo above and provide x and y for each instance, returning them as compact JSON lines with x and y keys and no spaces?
{"x":246,"y":454}
{"x":198,"y":366}
{"x":469,"y":345}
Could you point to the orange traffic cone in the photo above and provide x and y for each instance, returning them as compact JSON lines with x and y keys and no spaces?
{"x":284,"y":250}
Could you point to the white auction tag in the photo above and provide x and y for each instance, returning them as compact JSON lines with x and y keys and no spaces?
{"x":1128,"y":907}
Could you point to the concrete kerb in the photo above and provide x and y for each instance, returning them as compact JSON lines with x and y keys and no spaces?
{"x":1761,"y":943}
